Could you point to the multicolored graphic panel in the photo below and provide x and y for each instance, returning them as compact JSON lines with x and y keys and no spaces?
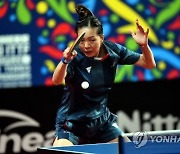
{"x":33,"y":35}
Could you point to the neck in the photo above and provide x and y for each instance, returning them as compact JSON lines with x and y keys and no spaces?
{"x":102,"y":52}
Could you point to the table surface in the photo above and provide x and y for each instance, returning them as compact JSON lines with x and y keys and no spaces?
{"x":113,"y":148}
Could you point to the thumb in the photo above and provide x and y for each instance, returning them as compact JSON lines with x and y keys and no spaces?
{"x":132,"y":33}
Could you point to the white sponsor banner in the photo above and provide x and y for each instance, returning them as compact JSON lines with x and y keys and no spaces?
{"x":29,"y":140}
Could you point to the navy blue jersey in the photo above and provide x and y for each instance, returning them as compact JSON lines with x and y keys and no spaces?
{"x":88,"y":82}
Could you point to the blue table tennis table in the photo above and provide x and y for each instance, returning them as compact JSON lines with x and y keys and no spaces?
{"x":115,"y":148}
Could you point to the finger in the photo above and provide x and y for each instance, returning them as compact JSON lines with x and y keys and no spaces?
{"x":137,"y":22}
{"x":139,"y":26}
{"x":74,"y":53}
{"x":132,"y":33}
{"x":67,"y":50}
{"x":67,"y":53}
{"x":147,"y":32}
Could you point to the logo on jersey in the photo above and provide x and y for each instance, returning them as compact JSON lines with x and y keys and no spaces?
{"x":89,"y":69}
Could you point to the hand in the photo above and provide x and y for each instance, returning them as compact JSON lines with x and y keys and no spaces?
{"x":68,"y":55}
{"x":141,"y":37}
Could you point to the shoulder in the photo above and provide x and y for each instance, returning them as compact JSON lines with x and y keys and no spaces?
{"x":110,"y":44}
{"x":113,"y":47}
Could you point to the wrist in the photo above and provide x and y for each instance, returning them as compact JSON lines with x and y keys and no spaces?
{"x":64,"y":60}
{"x":143,"y":45}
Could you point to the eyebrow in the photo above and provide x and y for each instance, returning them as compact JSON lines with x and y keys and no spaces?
{"x":91,"y":37}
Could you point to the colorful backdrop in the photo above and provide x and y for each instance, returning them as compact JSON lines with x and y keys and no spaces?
{"x":33,"y":35}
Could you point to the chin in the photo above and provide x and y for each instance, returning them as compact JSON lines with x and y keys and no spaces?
{"x":89,"y":54}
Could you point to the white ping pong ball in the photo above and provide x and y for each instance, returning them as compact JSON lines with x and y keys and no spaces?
{"x":85,"y":85}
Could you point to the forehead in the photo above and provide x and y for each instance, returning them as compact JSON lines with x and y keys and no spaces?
{"x":89,"y":31}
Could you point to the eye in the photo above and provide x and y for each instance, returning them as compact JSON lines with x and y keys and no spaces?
{"x":82,"y":41}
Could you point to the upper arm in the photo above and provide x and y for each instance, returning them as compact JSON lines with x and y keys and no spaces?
{"x":140,"y":61}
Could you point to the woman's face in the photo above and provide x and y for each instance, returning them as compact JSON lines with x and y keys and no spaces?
{"x":91,"y":42}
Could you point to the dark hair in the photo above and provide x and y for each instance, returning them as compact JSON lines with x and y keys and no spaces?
{"x":87,"y":18}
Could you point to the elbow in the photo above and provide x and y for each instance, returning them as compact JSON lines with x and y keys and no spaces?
{"x":58,"y":79}
{"x":154,"y":65}
{"x":56,"y":82}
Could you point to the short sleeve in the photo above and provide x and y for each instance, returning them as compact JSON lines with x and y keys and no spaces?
{"x":127,"y":56}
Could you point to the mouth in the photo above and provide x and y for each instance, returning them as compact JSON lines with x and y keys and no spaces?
{"x":86,"y":51}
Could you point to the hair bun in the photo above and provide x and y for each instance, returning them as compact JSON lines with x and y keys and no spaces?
{"x":83,"y":12}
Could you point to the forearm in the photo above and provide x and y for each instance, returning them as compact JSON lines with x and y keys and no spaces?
{"x":147,"y":56}
{"x":59,"y":73}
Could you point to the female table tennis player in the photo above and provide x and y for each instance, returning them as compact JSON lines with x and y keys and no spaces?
{"x":83,"y":116}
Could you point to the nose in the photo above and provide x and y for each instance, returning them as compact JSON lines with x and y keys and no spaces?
{"x":86,"y":45}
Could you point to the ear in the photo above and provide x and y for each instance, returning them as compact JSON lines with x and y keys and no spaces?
{"x":102,"y":37}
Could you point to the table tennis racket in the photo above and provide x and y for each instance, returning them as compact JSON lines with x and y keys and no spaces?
{"x":76,"y":42}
